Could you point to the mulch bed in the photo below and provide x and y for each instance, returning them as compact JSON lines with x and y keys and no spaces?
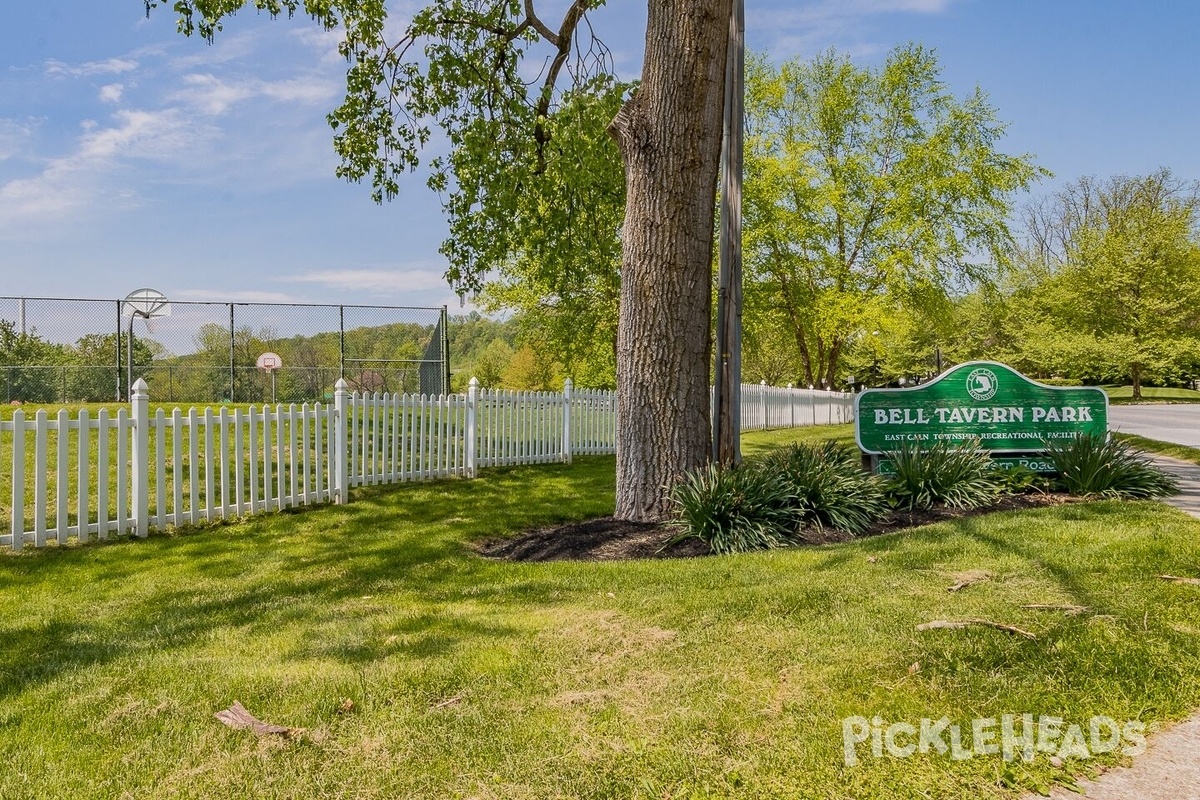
{"x":608,"y":539}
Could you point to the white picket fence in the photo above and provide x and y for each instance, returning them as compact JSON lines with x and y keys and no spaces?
{"x":765,"y":407}
{"x":127,"y":472}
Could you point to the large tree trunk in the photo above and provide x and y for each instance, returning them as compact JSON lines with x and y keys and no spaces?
{"x":669,"y":134}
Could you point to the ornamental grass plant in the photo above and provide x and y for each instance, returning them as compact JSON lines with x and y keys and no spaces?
{"x":956,"y":476}
{"x":830,"y":487}
{"x":767,"y":502}
{"x":736,"y":509}
{"x":1100,"y":466}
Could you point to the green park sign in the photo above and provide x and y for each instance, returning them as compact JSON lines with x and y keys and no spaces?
{"x":980,"y":400}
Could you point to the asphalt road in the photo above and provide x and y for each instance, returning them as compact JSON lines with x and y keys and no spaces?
{"x":1167,"y":423}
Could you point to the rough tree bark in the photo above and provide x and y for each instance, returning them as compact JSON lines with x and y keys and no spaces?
{"x":669,"y":134}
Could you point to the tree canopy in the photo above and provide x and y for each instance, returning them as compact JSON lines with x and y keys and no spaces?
{"x":557,"y":246}
{"x":868,"y":191}
{"x":1111,"y":281}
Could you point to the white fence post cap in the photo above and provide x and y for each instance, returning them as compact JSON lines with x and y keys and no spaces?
{"x":474,"y":383}
{"x":341,"y":385}
{"x":140,"y":386}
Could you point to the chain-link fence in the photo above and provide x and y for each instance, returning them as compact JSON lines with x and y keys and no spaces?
{"x":61,"y":350}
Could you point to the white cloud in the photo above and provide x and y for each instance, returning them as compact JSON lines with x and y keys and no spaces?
{"x":71,"y":181}
{"x":227,"y":47}
{"x":309,"y":91}
{"x":235,"y":296}
{"x":157,"y":135}
{"x":210,"y":94}
{"x":386,"y":281}
{"x":14,"y":137}
{"x":804,"y":29}
{"x":109,"y":66}
{"x":111,"y":93}
{"x":215,"y":96}
{"x":324,"y":42}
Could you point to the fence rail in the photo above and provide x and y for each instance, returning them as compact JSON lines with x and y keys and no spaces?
{"x":102,"y":473}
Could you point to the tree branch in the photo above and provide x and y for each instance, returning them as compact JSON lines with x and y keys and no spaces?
{"x":563,"y":40}
{"x":542,"y":28}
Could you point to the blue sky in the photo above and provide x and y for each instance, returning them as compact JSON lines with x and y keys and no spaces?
{"x":131,"y":156}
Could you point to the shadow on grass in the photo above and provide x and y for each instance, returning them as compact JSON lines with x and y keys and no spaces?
{"x":1121,"y":647}
{"x":393,"y":548}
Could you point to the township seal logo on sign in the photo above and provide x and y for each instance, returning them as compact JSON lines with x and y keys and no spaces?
{"x":981,"y":384}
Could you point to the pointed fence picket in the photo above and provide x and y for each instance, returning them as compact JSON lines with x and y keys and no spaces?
{"x":96,"y":474}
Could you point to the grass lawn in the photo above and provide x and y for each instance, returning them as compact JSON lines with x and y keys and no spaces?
{"x":705,"y":678}
{"x":758,"y":442}
{"x":1180,"y":451}
{"x":1152,"y":394}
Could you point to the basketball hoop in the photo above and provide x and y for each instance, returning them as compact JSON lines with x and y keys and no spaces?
{"x":269,"y":362}
{"x":148,"y":304}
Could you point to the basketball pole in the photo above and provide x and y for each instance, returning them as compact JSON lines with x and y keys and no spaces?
{"x":129,"y":354}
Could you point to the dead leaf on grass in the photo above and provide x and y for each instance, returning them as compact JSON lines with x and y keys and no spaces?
{"x":971,"y":576}
{"x":914,"y":668}
{"x":347,"y":705}
{"x":448,"y":702}
{"x":238,"y":718}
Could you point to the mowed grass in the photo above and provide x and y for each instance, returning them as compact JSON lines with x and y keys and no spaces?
{"x":1180,"y":451}
{"x":759,"y":442}
{"x":703,"y":678}
{"x":1152,"y":394}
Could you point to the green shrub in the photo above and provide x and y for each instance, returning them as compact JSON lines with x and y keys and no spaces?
{"x":961,"y":477}
{"x":1098,"y":465}
{"x":1021,"y":480}
{"x":765,"y":503}
{"x":829,"y":485}
{"x":735,"y":509}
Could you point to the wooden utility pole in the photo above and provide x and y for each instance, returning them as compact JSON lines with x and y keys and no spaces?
{"x":727,"y":372}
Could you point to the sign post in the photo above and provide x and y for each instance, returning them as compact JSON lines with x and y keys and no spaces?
{"x":981,"y":401}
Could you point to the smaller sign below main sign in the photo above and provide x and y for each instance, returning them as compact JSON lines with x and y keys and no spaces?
{"x":978,"y":401}
{"x":1032,"y":462}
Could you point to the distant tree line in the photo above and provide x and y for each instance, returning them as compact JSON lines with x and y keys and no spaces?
{"x":497,"y":352}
